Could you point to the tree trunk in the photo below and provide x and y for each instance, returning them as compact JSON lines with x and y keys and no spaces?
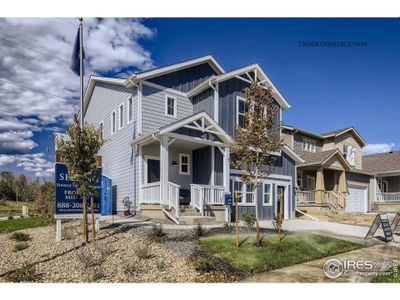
{"x":280,"y":217}
{"x":255,"y":193}
{"x":93,"y":225}
{"x":84,"y":220}
{"x":236,"y":218}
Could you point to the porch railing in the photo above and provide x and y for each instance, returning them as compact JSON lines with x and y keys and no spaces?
{"x":173,"y":197}
{"x":206,"y":194}
{"x":306,"y":197}
{"x":151,"y":193}
{"x":388,"y":197}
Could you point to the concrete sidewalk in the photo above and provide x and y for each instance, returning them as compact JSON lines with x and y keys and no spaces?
{"x":312,"y":271}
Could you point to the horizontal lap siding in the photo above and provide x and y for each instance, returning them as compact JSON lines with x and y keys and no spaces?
{"x":186,"y":79}
{"x":119,"y":158}
{"x":153,"y":108}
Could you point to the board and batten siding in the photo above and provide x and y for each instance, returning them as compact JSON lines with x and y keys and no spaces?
{"x":153,"y":108}
{"x":204,"y":101}
{"x":119,"y":158}
{"x":186,"y":79}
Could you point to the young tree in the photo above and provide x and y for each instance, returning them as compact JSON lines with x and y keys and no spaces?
{"x":256,"y":141}
{"x":7,"y":191}
{"x":78,"y":152}
{"x":45,"y":200}
{"x":21,"y":184}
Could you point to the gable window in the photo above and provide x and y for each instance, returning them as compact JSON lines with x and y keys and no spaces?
{"x":113,"y":122}
{"x":121,"y":116}
{"x":308,"y":145}
{"x":130,"y":109}
{"x":184,"y":164}
{"x":170,"y":106}
{"x":300,"y":179}
{"x":101,"y":127}
{"x":241,"y":109}
{"x":348,"y":153}
{"x":267,"y":199}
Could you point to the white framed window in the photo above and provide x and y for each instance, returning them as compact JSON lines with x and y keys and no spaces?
{"x":241,"y":109}
{"x":113,"y":122}
{"x":170,"y":106}
{"x":101,"y":127}
{"x":130,"y":110}
{"x":383,"y":185}
{"x":300,"y":179}
{"x":121,"y":116}
{"x":184,"y":164}
{"x":245,"y":192}
{"x":267,"y":194}
{"x":249,"y":193}
{"x":309,"y":145}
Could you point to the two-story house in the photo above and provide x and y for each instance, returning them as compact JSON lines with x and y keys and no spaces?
{"x":168,"y":133}
{"x":332,"y":173}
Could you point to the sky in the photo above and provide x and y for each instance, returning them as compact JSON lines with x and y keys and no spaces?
{"x":328,"y":85}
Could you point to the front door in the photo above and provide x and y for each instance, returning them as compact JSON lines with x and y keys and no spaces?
{"x":153,"y":170}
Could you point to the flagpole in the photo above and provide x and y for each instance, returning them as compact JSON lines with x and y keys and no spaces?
{"x":81,"y":67}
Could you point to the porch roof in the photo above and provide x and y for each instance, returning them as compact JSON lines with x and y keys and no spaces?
{"x":321,"y":158}
{"x":382,"y":163}
{"x":200,"y":121}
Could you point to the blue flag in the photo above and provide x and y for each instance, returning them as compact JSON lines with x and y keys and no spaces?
{"x":75,"y":60}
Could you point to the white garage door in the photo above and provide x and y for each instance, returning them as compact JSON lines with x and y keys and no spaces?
{"x":356,"y":200}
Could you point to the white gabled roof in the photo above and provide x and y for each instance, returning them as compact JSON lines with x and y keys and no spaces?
{"x":176,"y":67}
{"x":261,"y":76}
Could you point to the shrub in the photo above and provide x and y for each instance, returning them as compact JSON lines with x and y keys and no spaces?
{"x":27,"y":273}
{"x":227,"y":227}
{"x":156,"y":232}
{"x":20,"y":246}
{"x":106,"y":250}
{"x":161,"y":265}
{"x":88,"y":259}
{"x":45,"y":201}
{"x":67,"y":235}
{"x":96,"y":274}
{"x":20,"y":237}
{"x":130,"y":268}
{"x":203,"y":265}
{"x":198,"y":230}
{"x":10,"y":217}
{"x":143,"y":252}
{"x":249,"y":220}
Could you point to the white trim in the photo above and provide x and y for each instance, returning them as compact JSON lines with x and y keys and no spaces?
{"x":102,"y":129}
{"x":216,"y":103}
{"x":141,"y":165}
{"x":293,"y":155}
{"x":286,"y":204}
{"x":270,"y":193}
{"x":114,"y":112}
{"x":139,"y":109}
{"x":201,"y":87}
{"x":166,"y":97}
{"x":129,"y":109}
{"x":165,"y":89}
{"x":121,"y":120}
{"x":146,"y":158}
{"x":212,"y":180}
{"x":188,"y":164}
{"x":238,"y":99}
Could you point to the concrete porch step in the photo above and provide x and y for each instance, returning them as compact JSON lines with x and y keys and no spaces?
{"x":194,"y":220}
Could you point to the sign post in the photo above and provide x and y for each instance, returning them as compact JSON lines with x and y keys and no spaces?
{"x":381,"y":219}
{"x":395,"y":222}
{"x":68,"y":204}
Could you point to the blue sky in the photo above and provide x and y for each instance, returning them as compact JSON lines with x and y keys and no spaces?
{"x":328,"y":87}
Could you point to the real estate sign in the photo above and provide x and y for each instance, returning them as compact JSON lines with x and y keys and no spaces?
{"x":68,"y":203}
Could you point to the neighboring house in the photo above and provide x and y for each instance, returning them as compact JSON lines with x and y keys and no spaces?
{"x":168,"y":132}
{"x":386,"y":167}
{"x":332,"y":174}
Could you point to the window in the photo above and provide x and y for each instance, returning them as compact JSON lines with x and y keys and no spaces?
{"x":241,"y":109}
{"x":113,"y":122}
{"x":249,"y":193}
{"x":267,"y":198}
{"x":101,"y":127}
{"x":121,"y":116}
{"x":245,"y":192}
{"x":130,"y":109}
{"x":309,"y":145}
{"x":383,"y":185}
{"x":300,"y":179}
{"x":349,"y":153}
{"x":170,"y":106}
{"x":184,"y":164}
{"x":237,"y":186}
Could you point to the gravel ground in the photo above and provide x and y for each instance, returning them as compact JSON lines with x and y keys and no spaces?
{"x":119,"y":256}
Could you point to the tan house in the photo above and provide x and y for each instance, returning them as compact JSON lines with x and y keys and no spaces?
{"x":331,"y":176}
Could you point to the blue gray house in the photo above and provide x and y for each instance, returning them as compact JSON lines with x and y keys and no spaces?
{"x":168,"y":132}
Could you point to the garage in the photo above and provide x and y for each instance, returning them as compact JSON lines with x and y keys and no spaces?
{"x":356,"y":199}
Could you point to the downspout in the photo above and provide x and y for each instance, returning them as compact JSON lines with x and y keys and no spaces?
{"x":215,"y":108}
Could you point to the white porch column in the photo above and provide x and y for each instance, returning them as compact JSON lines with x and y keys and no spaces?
{"x":226,"y":169}
{"x":141,"y":180}
{"x":212,"y":179}
{"x":163,"y":170}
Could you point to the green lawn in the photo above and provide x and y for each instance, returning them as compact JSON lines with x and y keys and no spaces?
{"x":394,"y":277}
{"x":293,"y":249}
{"x":18,"y":224}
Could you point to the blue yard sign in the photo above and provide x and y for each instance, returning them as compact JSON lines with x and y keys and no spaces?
{"x":68,"y":203}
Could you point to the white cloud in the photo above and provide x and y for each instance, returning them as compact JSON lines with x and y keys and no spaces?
{"x":32,"y":163}
{"x":110,"y":45}
{"x":377,"y":148}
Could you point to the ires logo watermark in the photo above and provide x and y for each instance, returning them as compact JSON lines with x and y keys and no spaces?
{"x":334,"y":268}
{"x":333,"y":44}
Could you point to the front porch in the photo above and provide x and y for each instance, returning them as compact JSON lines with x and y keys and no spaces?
{"x":185,"y":165}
